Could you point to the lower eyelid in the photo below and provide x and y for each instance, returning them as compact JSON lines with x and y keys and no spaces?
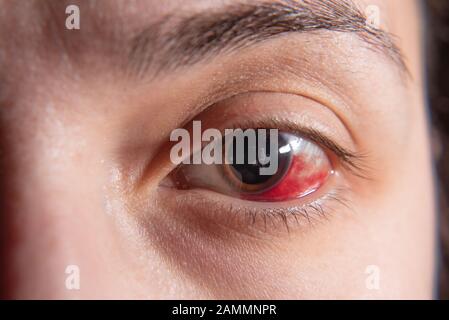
{"x":249,"y":216}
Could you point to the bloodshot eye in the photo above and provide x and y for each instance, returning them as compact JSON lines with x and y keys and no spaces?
{"x":303,"y":167}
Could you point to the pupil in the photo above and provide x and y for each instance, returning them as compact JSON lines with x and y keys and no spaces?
{"x":249,"y":173}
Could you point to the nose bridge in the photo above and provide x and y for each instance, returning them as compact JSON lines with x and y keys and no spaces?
{"x":37,"y":149}
{"x":43,"y":206}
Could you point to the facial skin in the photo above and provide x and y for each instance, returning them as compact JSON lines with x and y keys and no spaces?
{"x":84,"y":141}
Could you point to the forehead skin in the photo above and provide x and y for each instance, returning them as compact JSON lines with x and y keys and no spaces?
{"x":43,"y":56}
{"x":63,"y":94}
{"x":108,"y":27}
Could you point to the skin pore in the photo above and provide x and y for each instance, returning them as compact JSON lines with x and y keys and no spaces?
{"x":85,"y":120}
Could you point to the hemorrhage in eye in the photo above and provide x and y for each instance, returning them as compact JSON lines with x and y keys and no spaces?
{"x":303,"y":168}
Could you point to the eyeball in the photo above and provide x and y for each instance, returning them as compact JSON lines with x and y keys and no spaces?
{"x":302,"y":168}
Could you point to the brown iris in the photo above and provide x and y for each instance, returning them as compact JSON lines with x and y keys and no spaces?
{"x":246,"y":177}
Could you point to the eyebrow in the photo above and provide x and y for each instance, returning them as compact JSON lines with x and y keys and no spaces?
{"x":182,"y":40}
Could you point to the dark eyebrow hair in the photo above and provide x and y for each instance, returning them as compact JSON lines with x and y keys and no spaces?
{"x":179,"y":40}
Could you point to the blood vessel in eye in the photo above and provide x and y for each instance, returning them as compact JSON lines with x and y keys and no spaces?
{"x":305,"y":175}
{"x":303,"y":167}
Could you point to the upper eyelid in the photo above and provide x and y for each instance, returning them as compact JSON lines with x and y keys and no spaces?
{"x":243,"y":76}
{"x":354,"y":161}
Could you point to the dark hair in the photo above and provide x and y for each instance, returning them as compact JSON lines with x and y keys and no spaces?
{"x":438,"y":88}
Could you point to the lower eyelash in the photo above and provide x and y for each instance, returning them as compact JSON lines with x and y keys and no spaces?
{"x":309,"y":214}
{"x":262,"y":217}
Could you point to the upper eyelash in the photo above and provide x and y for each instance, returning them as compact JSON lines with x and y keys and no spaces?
{"x":352,"y":161}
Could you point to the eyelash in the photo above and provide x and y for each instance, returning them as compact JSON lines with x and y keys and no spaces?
{"x":261,"y":218}
{"x":309,"y":212}
{"x":351,"y":161}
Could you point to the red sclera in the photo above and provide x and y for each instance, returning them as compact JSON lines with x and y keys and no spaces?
{"x":302,"y":178}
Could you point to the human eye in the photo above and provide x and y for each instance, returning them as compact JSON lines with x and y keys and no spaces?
{"x":307,"y":185}
{"x":302,"y":167}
